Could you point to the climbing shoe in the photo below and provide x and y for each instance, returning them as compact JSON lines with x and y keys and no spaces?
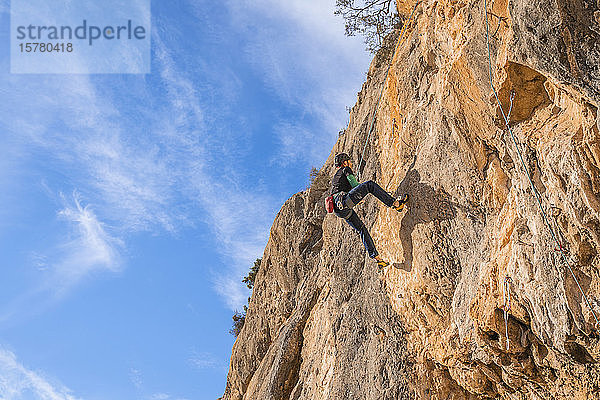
{"x":382,"y":264}
{"x":402,"y":200}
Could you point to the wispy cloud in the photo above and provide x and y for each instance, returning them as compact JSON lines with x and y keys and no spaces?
{"x":164,"y":396}
{"x":170,"y":168}
{"x":159,"y":180}
{"x":310,"y":62}
{"x":308,"y":66}
{"x":137,"y":185}
{"x":298,"y":144}
{"x":17,"y":382}
{"x":238,"y":215}
{"x":86,"y":249}
{"x":228,"y":286}
{"x":135,"y":376}
{"x":299,"y":50}
{"x":204,"y":361}
{"x":91,"y":247}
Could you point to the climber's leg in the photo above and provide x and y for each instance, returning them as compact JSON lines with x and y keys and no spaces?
{"x":360,"y":191}
{"x":355,"y":222}
{"x":356,"y":195}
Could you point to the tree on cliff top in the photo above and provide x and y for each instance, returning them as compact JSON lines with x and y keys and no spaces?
{"x":375,"y":19}
{"x":240,"y":317}
{"x":238,"y":322}
{"x":249,"y":279}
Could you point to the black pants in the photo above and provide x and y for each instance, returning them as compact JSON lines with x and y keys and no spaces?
{"x":357,"y":224}
{"x":354,"y":197}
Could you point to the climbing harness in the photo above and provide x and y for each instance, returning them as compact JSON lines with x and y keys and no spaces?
{"x":373,"y":117}
{"x":343,"y":201}
{"x":538,"y":197}
{"x":506,"y":296}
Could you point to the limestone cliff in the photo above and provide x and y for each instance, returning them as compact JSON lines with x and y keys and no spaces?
{"x":324,"y":324}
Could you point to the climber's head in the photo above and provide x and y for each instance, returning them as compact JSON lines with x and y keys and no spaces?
{"x":341,"y":159}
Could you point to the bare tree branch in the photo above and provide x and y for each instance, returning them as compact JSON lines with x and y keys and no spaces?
{"x":374,"y":19}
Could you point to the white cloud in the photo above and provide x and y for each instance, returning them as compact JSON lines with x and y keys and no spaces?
{"x":135,"y":183}
{"x":299,"y":144}
{"x":90,"y":249}
{"x":160,"y":396}
{"x":158,"y":180}
{"x":129,"y":179}
{"x":300,"y":51}
{"x":135,"y":376}
{"x":238,"y":215}
{"x":300,"y":48}
{"x":19,"y":383}
{"x":230,"y":288}
{"x":307,"y":60}
{"x":87,"y":249}
{"x":203,"y":361}
{"x":156,"y":176}
{"x":241,"y":221}
{"x":164,"y":396}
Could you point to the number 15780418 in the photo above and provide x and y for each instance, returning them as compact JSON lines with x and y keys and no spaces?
{"x":46,"y":47}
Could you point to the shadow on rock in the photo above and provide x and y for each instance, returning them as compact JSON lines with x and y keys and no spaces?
{"x":425,"y":205}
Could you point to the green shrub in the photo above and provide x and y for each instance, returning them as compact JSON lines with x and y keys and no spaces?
{"x":240,"y":317}
{"x":249,"y":279}
{"x":238,"y":322}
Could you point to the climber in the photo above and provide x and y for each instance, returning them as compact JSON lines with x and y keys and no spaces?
{"x":347,"y":192}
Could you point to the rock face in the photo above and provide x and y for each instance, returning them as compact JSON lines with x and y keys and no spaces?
{"x":324,"y":324}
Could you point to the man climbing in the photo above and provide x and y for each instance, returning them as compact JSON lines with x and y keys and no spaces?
{"x":347,"y":192}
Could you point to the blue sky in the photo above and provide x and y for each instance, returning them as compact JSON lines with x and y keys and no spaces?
{"x":131,"y":206}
